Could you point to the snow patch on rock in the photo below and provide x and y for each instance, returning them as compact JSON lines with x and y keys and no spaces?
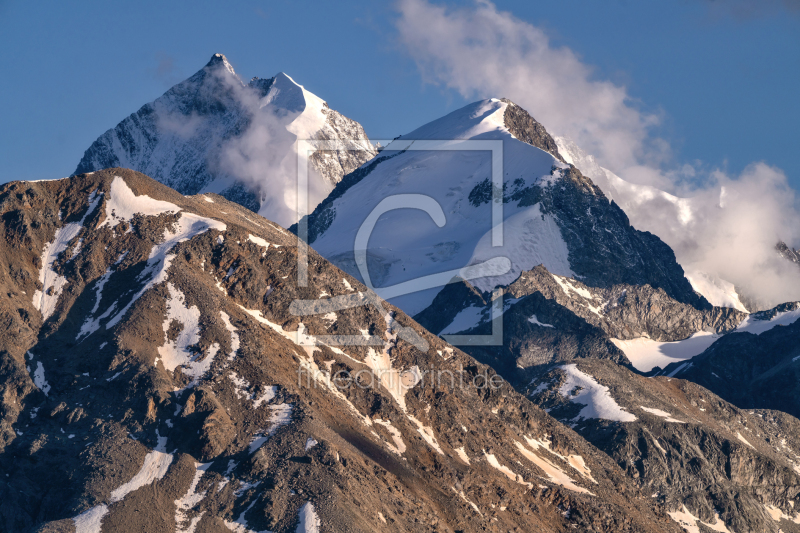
{"x":280,"y":416}
{"x":45,"y":300}
{"x":534,"y":320}
{"x":309,"y":521}
{"x":583,"y":389}
{"x":662,"y":414}
{"x":188,"y":501}
{"x":122,"y":204}
{"x":494,"y":463}
{"x":689,"y":522}
{"x":178,"y":352}
{"x":757,"y":327}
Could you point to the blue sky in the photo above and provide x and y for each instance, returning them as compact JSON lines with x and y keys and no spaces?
{"x":724,"y":82}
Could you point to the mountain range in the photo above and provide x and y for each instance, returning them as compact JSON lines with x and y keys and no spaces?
{"x":465,"y":333}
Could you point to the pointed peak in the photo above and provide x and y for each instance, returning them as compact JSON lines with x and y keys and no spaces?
{"x":220,"y":59}
{"x":286,"y":77}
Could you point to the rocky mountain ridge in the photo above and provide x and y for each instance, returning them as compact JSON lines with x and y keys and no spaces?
{"x":163,"y":365}
{"x":756,"y":368}
{"x":154,"y":371}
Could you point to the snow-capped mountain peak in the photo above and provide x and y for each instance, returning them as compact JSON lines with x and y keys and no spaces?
{"x":484,"y":116}
{"x":287,"y":95}
{"x":215,"y":133}
{"x":552,"y":215}
{"x":220,"y":59}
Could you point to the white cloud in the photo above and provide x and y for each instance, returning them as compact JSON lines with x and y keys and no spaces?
{"x":729,"y":226}
{"x":484,"y":52}
{"x":728,"y":229}
{"x":264,"y":156}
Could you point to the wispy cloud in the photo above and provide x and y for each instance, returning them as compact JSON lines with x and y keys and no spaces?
{"x":165,"y":69}
{"x":744,"y":10}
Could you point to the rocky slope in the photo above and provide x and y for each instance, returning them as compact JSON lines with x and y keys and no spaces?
{"x":627,"y":311}
{"x":705,"y":460}
{"x":214,"y":133}
{"x":160,"y":373}
{"x":550,"y":318}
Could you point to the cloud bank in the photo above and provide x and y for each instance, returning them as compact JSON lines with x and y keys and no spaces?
{"x":726,"y":229}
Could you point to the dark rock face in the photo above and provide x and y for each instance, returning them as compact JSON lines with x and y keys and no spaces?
{"x":451,"y":300}
{"x":551,"y":319}
{"x":161,"y":378}
{"x":556,"y":335}
{"x":604,"y":249}
{"x":691,"y":448}
{"x":752,"y":371}
{"x":788,"y":253}
{"x":525,"y":128}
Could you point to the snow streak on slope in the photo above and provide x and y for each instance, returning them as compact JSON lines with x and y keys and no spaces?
{"x":281,"y":415}
{"x":178,"y":352}
{"x":467,"y":318}
{"x":45,"y":300}
{"x":718,"y":292}
{"x":757,"y":327}
{"x":689,"y":522}
{"x":406,"y":244}
{"x":309,"y":521}
{"x":662,"y":414}
{"x":554,"y":473}
{"x":187,"y":226}
{"x":122,"y":204}
{"x":155,"y":466}
{"x":39,"y":379}
{"x":189,"y":500}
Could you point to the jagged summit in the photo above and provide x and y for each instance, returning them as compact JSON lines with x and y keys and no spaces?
{"x":528,"y":130}
{"x":292,"y":97}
